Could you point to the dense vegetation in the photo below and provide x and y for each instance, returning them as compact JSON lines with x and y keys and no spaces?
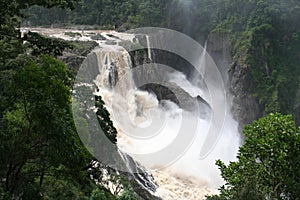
{"x":268,"y":163}
{"x":265,"y":38}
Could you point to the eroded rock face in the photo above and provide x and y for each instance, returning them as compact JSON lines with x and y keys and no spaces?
{"x":237,"y":78}
{"x":245,"y":107}
{"x":73,"y":58}
{"x":218,"y":49}
{"x":174,"y":93}
{"x":164,"y":90}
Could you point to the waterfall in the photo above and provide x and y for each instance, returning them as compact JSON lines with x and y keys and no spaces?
{"x":132,"y":110}
{"x":122,"y":99}
{"x":114,"y":64}
{"x":146,"y":125}
{"x":134,"y":113}
{"x":202,"y":60}
{"x":148,"y":47}
{"x":139,"y":173}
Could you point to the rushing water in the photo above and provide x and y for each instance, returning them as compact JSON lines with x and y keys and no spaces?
{"x":148,"y":47}
{"x":133,"y":110}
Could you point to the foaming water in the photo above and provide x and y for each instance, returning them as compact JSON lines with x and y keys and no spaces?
{"x":145,"y":126}
{"x":175,"y":186}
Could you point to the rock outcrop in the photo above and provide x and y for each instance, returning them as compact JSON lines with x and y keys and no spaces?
{"x":237,"y":78}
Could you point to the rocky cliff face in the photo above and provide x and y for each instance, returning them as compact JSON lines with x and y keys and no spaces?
{"x":237,"y":79}
{"x":150,"y":71}
{"x":73,"y":58}
{"x":236,"y":76}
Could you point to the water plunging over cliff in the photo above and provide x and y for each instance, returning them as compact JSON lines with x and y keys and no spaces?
{"x":132,"y":110}
{"x":148,"y":47}
{"x":135,"y":114}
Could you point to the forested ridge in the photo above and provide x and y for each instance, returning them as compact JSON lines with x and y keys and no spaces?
{"x":41,"y":155}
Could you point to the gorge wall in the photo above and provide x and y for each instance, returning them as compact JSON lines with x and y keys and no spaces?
{"x":240,"y":82}
{"x":237,"y":78}
{"x":236,"y":75}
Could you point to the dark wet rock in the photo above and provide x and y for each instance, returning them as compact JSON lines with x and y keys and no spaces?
{"x":245,"y":108}
{"x":98,"y":37}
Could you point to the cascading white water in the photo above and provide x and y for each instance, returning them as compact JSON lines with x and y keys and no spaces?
{"x":148,"y":47}
{"x":202,"y":60}
{"x":132,"y":109}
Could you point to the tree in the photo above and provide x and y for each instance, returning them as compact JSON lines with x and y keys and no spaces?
{"x":21,"y":4}
{"x":39,"y":127}
{"x":41,"y":154}
{"x":98,"y":194}
{"x":45,"y":45}
{"x":268,"y":165}
{"x":104,"y":120}
{"x":128,"y":194}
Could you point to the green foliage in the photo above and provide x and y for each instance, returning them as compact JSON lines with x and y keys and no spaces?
{"x":268,"y":162}
{"x":38,"y":128}
{"x":104,"y":120}
{"x":58,"y":188}
{"x":105,"y":13}
{"x":48,"y":4}
{"x":108,"y":14}
{"x":4,"y":195}
{"x":128,"y":194}
{"x":264,"y":37}
{"x":42,"y":45}
{"x":10,"y":42}
{"x":98,"y":194}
